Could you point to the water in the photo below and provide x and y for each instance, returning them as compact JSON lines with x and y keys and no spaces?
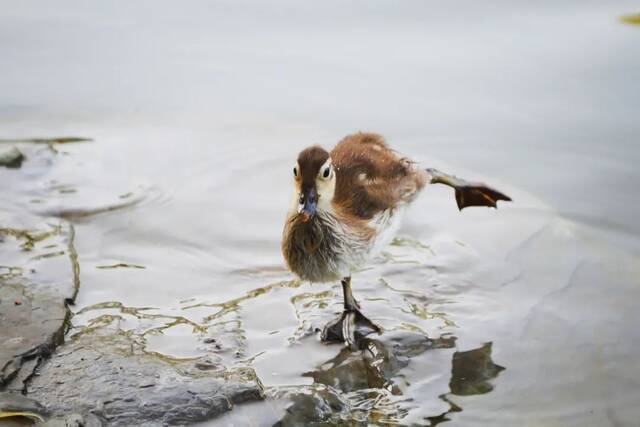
{"x":197,"y":114}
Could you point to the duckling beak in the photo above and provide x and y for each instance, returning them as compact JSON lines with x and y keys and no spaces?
{"x":307,"y":203}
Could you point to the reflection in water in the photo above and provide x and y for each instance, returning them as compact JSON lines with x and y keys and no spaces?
{"x":471,"y":371}
{"x":470,"y":374}
{"x":371,"y":386}
{"x":377,"y":364}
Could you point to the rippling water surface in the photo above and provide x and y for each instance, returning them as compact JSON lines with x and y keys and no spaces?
{"x":525,"y":315}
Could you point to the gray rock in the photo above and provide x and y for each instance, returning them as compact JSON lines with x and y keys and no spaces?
{"x":38,"y":278}
{"x":11,"y":402}
{"x":11,"y":157}
{"x":111,"y":377}
{"x":73,"y":420}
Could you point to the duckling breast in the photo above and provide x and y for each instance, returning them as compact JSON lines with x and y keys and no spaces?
{"x":322,"y":249}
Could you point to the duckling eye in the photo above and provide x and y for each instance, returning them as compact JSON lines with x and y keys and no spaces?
{"x":326,"y":172}
{"x":295,"y":171}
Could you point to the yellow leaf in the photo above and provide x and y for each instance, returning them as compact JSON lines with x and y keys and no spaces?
{"x":633,"y":19}
{"x":30,"y":415}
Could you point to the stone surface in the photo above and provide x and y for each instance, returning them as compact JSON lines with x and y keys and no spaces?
{"x":11,"y":157}
{"x":110,"y":376}
{"x":11,"y":402}
{"x":38,"y":277}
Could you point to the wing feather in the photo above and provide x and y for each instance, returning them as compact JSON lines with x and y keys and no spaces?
{"x":370,"y":177}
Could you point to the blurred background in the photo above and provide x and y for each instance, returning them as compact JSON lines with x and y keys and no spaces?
{"x":197,"y":112}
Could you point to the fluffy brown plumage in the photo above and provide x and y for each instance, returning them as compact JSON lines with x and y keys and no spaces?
{"x":347,"y":205}
{"x":371,"y":177}
{"x":370,"y":182}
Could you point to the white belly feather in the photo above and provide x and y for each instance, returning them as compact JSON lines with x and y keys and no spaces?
{"x":387,"y":223}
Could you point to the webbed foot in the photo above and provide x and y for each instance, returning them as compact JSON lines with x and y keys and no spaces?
{"x":478,"y":195}
{"x":468,"y":193}
{"x":350,"y":327}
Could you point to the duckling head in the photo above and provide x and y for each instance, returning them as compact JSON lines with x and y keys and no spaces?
{"x":314,"y":182}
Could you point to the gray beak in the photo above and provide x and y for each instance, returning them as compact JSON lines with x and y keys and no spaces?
{"x":307,"y":203}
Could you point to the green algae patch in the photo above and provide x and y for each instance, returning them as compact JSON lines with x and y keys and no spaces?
{"x":121,"y":265}
{"x":58,"y":140}
{"x":29,"y":237}
{"x":50,"y":142}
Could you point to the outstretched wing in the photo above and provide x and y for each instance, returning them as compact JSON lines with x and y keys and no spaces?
{"x":370,"y":177}
{"x":468,"y":193}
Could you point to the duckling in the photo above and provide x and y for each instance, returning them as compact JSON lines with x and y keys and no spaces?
{"x":347,"y":204}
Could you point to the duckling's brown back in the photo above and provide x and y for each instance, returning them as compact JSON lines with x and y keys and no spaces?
{"x":370,"y":177}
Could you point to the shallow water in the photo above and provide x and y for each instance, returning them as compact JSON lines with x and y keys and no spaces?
{"x":196,"y":115}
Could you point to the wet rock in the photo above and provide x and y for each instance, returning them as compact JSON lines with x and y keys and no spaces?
{"x":311,"y":406}
{"x":11,"y":157}
{"x":73,"y":420}
{"x":19,"y":410}
{"x":112,"y":377}
{"x":38,"y":278}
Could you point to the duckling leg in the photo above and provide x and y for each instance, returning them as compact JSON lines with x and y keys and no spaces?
{"x":468,"y":193}
{"x":351,"y":326}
